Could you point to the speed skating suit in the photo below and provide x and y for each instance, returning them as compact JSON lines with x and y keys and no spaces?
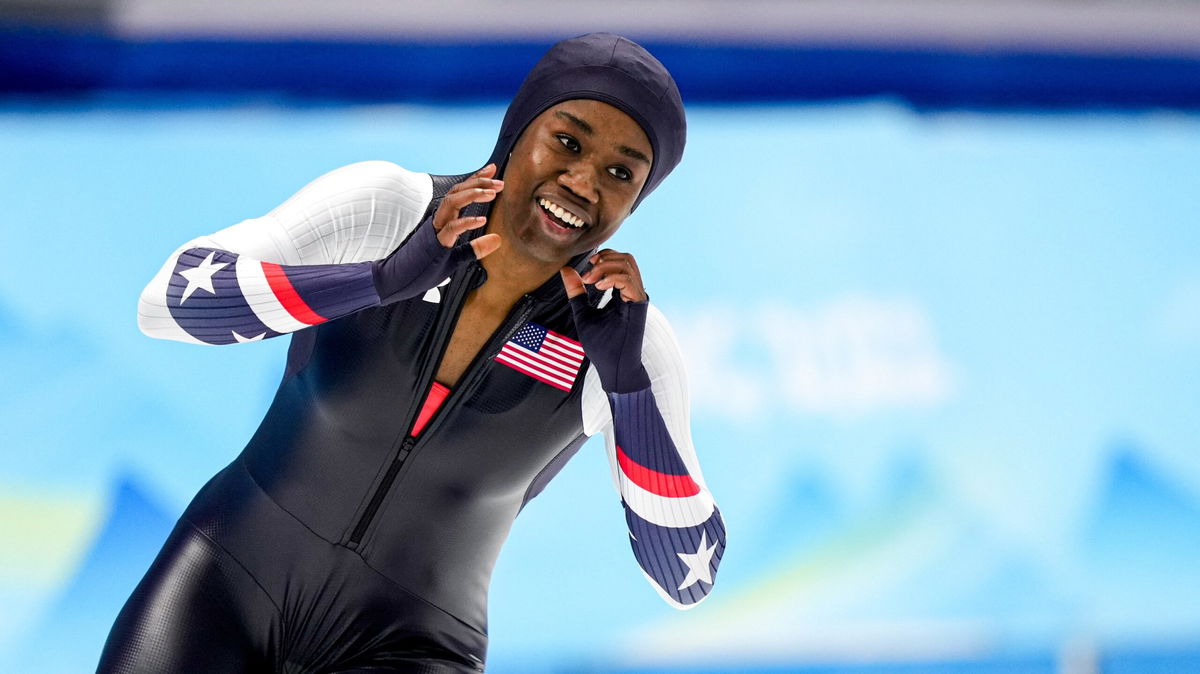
{"x":360,"y":525}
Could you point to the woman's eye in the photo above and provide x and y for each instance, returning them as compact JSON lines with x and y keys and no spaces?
{"x":620,"y":173}
{"x":568,"y":142}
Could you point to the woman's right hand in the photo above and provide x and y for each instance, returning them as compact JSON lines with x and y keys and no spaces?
{"x":432,"y":253}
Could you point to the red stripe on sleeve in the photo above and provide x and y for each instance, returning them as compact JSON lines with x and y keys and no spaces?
{"x":287,"y":295}
{"x":662,"y":484}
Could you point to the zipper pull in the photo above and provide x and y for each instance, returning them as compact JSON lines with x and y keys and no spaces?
{"x":523,"y":311}
{"x":478,"y":277}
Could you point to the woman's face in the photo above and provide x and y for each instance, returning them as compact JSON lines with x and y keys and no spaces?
{"x":571,"y":180}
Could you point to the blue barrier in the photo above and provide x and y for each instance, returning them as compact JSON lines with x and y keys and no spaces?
{"x":67,"y":63}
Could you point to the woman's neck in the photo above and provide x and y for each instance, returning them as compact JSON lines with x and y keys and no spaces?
{"x":511,"y":275}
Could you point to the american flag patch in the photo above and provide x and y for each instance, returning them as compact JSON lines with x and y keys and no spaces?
{"x":544,"y":355}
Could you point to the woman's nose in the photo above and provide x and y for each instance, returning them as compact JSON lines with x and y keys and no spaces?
{"x":580,"y":180}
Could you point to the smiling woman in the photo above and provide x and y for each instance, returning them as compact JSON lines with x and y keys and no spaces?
{"x":446,"y":363}
{"x":574,"y":176}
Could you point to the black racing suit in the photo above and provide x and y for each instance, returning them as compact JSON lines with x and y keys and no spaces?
{"x":337,"y":540}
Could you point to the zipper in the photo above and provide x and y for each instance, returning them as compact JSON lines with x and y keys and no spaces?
{"x":384,"y":486}
{"x":518,"y":317}
{"x":452,"y":301}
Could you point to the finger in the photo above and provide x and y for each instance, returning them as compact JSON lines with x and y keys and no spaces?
{"x":453,"y":204}
{"x":614,"y":280}
{"x":614,"y":269}
{"x":608,"y":268}
{"x":572,"y":282}
{"x":628,"y":290}
{"x":458,"y":200}
{"x":622,"y":259}
{"x":475,"y":179}
{"x":453,"y":229}
{"x":607,"y":254}
{"x":477,"y":182}
{"x":614,"y":257}
{"x":485,"y":245}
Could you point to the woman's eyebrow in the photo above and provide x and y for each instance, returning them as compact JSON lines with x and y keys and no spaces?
{"x":583,"y":126}
{"x":587,"y":129}
{"x":630,"y":152}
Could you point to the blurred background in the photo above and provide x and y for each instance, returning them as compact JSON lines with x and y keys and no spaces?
{"x":935,"y":267}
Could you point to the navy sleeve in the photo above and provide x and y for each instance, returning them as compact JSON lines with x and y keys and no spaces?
{"x":675,"y":528}
{"x":218,"y":297}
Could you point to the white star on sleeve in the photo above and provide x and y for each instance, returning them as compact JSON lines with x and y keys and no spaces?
{"x":698,"y":563}
{"x":200,"y":276}
{"x":242,"y":340}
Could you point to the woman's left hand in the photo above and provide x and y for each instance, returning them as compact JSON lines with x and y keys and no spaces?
{"x":611,"y":336}
{"x":616,"y":270}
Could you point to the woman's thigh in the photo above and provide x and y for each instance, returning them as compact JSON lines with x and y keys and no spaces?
{"x":196,"y":609}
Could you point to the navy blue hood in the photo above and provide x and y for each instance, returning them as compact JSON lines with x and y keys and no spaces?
{"x":611,"y":69}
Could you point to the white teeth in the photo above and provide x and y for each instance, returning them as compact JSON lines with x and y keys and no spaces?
{"x":560,"y":212}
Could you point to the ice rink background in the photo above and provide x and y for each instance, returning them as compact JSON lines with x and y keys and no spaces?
{"x":945,"y":370}
{"x":945,"y":366}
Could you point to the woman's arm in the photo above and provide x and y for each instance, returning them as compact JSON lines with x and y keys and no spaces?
{"x":302,"y":263}
{"x":675,"y":528}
